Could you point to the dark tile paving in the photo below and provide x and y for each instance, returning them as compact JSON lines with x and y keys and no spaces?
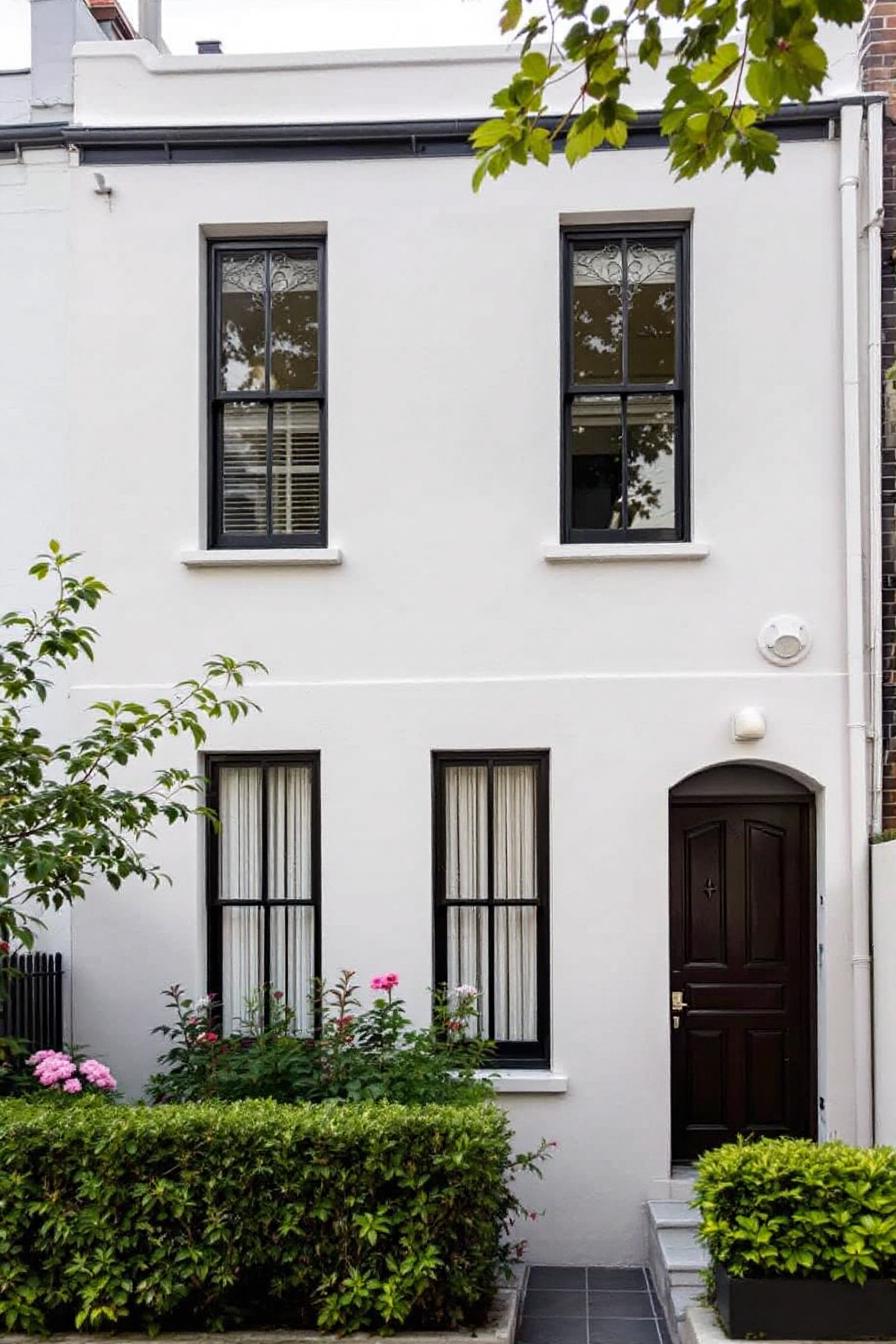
{"x":590,"y":1306}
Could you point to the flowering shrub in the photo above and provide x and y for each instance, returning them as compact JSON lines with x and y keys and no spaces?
{"x":203,"y":1217}
{"x":358,"y":1054}
{"x":58,"y":1070}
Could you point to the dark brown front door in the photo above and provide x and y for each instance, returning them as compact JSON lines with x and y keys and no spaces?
{"x":742,"y":949}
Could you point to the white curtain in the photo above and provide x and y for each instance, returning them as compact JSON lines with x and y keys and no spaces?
{"x":466,"y":800}
{"x":242,"y":962}
{"x":515,"y":879}
{"x":289,"y":879}
{"x":291,"y":931}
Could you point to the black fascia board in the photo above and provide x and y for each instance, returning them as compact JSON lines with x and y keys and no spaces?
{"x":340,"y":140}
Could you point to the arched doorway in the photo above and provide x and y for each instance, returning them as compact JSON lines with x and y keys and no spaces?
{"x":742,"y":957}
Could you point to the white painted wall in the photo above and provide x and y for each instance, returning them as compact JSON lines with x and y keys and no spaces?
{"x":444,"y":627}
{"x":883,"y":889}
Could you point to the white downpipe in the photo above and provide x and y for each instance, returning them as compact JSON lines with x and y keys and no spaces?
{"x":851,"y":118}
{"x":875,"y":383}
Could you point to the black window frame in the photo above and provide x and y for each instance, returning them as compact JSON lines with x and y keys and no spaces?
{"x":508,"y":1054}
{"x":214,"y":905}
{"x":217,"y":399}
{"x":677,"y":233}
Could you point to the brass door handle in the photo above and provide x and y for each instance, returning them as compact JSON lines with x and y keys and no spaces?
{"x":678,"y":1007}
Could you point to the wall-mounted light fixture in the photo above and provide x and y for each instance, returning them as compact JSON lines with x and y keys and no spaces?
{"x":748,"y":724}
{"x":785,"y":640}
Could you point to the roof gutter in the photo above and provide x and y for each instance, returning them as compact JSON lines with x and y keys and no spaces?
{"x":341,"y":139}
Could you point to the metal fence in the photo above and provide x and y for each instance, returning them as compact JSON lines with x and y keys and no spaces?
{"x":32,"y":1005}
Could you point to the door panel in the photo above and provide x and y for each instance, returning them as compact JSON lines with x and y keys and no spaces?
{"x":742,"y":947}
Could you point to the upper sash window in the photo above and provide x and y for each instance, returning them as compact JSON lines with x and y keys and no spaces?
{"x":625,"y":385}
{"x":267,"y":394}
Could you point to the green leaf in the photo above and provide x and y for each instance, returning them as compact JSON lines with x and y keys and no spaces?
{"x":534,"y":66}
{"x":490,"y":133}
{"x":511,"y":13}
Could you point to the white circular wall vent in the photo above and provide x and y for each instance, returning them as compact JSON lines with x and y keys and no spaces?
{"x":785,"y":640}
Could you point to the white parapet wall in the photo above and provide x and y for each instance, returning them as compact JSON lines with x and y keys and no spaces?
{"x":883,"y":887}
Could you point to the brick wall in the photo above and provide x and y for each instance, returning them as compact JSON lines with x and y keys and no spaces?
{"x":878,"y":54}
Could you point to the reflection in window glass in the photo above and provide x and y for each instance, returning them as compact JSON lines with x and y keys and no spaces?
{"x":597,"y":314}
{"x":596,"y":447}
{"x":243,"y":322}
{"x":294,"y":321}
{"x":651,"y":313}
{"x":650,"y":436}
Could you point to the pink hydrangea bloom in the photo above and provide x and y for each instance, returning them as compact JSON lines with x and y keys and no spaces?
{"x":97,"y":1074}
{"x":55,"y":1067}
{"x":71,"y":1085}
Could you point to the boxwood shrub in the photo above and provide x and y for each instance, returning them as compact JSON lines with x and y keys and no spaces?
{"x":212,"y":1215}
{"x":780,"y":1207}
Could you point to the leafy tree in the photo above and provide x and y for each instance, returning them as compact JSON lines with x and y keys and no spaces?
{"x":734,"y":63}
{"x":65,"y":816}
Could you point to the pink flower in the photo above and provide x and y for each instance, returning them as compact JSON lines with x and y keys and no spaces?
{"x":345,"y":1021}
{"x":4,"y":946}
{"x":71,"y":1085}
{"x":38,"y":1056}
{"x":388,"y":981}
{"x":454,"y":1024}
{"x":207,"y":1037}
{"x":97,"y":1074}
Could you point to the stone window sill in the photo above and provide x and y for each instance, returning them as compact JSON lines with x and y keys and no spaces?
{"x":525,"y":1080}
{"x":261,"y":559}
{"x":601,"y":552}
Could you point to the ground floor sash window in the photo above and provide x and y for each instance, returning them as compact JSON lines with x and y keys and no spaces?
{"x":491,"y":893}
{"x":264,"y":885}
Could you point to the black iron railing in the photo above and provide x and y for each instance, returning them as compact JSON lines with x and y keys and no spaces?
{"x":31,"y":998}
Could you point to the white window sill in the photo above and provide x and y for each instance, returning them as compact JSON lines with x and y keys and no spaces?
{"x":261,"y":558}
{"x":525,"y":1080}
{"x":647,"y":550}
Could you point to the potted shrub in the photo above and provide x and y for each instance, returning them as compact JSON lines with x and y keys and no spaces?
{"x":802,"y":1238}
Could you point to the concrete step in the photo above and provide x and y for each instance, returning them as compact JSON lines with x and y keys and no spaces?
{"x":680,"y":1248}
{"x":676,"y":1259}
{"x":673,"y":1213}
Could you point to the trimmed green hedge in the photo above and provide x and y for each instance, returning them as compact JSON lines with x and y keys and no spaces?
{"x":209,"y":1216}
{"x":790,"y":1207}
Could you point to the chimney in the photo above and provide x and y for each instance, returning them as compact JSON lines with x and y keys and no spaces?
{"x":149,"y":21}
{"x":209,"y":47}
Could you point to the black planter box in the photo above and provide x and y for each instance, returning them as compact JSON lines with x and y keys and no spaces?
{"x":805,"y":1308}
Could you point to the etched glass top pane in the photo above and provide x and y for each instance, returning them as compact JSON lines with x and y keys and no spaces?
{"x":243,"y":322}
{"x":651,"y":313}
{"x":597,"y":304}
{"x":295,"y":329}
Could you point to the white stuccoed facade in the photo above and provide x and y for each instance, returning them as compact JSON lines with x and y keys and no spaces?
{"x":446,"y":625}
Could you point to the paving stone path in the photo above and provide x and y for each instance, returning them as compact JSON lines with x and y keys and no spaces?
{"x":590,"y":1306}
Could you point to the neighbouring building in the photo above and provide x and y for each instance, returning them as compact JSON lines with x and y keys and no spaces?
{"x":554,"y":513}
